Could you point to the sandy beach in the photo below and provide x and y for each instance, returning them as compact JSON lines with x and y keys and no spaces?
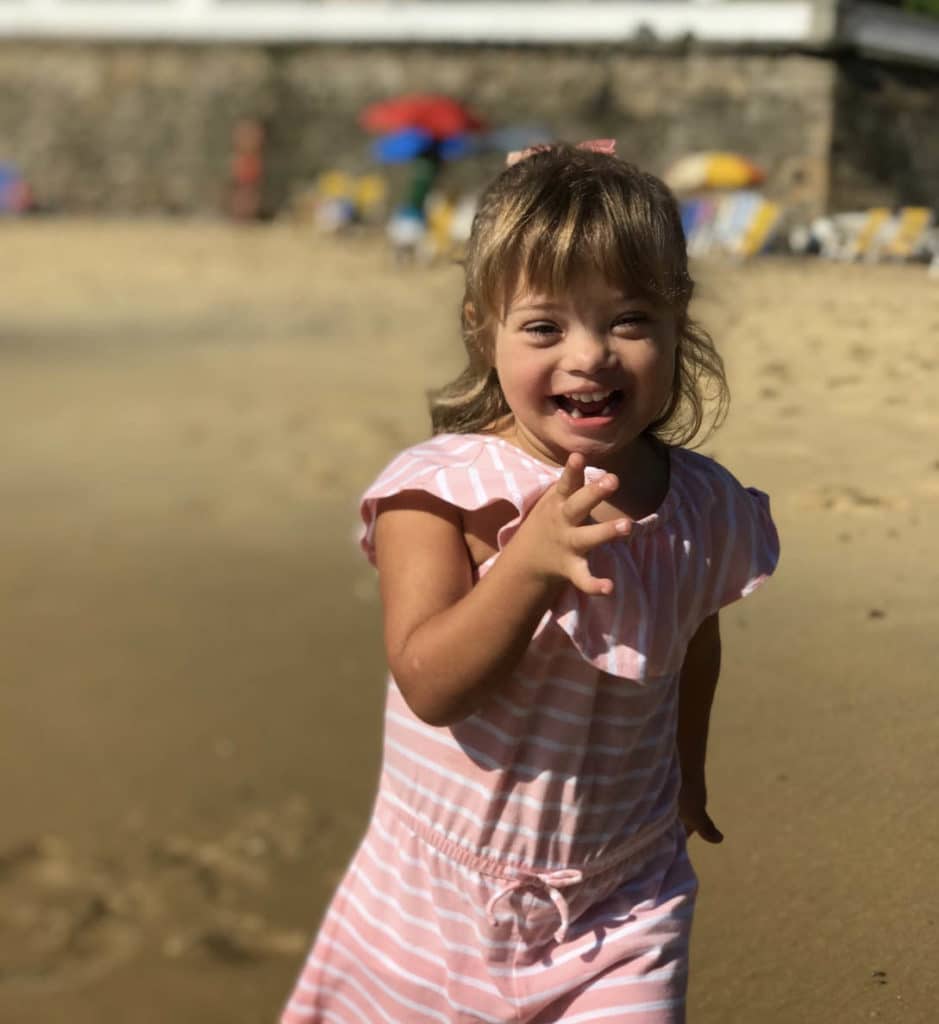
{"x":191,"y":670}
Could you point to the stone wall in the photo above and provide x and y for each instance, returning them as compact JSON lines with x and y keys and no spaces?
{"x":885,"y":147}
{"x":133,"y":128}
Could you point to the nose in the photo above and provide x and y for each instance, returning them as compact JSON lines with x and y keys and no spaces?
{"x":589,"y":350}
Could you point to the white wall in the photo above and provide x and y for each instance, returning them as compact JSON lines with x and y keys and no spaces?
{"x":781,"y":22}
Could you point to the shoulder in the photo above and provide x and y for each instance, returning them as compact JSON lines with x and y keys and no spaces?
{"x":465,"y":471}
{"x":703,"y":482}
{"x":433,"y":465}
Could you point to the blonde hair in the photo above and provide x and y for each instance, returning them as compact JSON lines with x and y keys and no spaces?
{"x":552,"y":216}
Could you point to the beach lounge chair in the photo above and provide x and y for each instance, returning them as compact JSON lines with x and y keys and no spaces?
{"x":908,"y":237}
{"x":761,"y":230}
{"x":734,"y":216}
{"x":866,"y":237}
{"x":698,"y":220}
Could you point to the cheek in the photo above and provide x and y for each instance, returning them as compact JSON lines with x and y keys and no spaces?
{"x":656,"y":369}
{"x":519,"y":372}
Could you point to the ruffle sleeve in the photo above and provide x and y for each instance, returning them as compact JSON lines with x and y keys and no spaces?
{"x":744,"y":542}
{"x":466,"y":471}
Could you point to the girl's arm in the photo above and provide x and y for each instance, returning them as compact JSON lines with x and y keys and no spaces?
{"x":450,"y":642}
{"x":699,"y":674}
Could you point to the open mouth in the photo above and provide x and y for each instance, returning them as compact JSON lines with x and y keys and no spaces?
{"x":588,"y":405}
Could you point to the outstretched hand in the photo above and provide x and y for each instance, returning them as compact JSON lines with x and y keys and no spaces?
{"x":557,"y":540}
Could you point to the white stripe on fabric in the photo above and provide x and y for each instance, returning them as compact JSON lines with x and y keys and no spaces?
{"x":571,"y":717}
{"x":495,"y":793}
{"x":419,"y":951}
{"x":471,"y":877}
{"x":542,"y":741}
{"x":495,"y":824}
{"x":335,"y":1018}
{"x":515,"y":492}
{"x":606,"y":686}
{"x":613,"y":923}
{"x":478,"y":490}
{"x":626,"y":1008}
{"x":337,"y":996}
{"x":395,"y":968}
{"x":407,"y":467}
{"x":675,"y":970}
{"x":516,"y":769}
{"x":454,"y":916}
{"x":440,"y":479}
{"x":576,"y":949}
{"x":373,"y":1003}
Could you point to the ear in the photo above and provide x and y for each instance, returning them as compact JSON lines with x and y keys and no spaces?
{"x":469,"y":316}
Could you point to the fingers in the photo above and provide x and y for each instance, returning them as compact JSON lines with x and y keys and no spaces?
{"x":581,"y":503}
{"x":709,"y":832}
{"x":586,"y":538}
{"x":589,"y":584}
{"x":572,"y":476}
{"x":701,"y":824}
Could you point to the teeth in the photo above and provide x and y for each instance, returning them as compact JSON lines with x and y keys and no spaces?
{"x":593,"y":396}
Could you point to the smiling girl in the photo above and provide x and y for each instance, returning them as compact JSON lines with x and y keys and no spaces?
{"x":552,"y":563}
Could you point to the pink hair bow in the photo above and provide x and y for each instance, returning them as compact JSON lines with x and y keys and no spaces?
{"x":607,"y":146}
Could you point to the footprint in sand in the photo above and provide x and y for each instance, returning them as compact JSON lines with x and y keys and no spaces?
{"x":860,"y":354}
{"x":776,"y":369}
{"x":842,"y":381}
{"x":195,"y":435}
{"x":296,"y":422}
{"x":62,"y":922}
{"x":65,"y":921}
{"x":848,"y":499}
{"x":203,"y":885}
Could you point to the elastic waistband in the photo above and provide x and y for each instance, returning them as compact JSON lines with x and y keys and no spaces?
{"x":499,"y":868}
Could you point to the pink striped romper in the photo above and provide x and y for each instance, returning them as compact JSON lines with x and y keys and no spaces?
{"x":526,"y":864}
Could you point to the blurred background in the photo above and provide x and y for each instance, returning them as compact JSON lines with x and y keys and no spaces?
{"x":231,"y":232}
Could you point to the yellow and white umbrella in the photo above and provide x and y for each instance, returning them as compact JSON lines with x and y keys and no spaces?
{"x":713,"y":170}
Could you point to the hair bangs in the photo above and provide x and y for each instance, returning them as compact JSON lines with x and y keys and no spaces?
{"x":566,"y":235}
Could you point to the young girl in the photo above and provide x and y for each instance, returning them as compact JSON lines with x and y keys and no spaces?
{"x":551,"y":566}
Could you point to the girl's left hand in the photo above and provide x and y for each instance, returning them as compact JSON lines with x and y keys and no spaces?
{"x":692,"y":809}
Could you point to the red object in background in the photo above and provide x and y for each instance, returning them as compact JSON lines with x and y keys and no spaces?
{"x":246,"y":172}
{"x":439,"y":116}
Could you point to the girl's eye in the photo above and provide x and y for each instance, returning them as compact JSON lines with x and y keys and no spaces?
{"x":631,"y":322}
{"x":542,"y":331}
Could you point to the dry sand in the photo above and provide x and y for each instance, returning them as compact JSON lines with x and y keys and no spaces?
{"x":190,"y":663}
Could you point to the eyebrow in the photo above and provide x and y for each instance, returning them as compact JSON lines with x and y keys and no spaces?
{"x":535,"y":306}
{"x":550,"y":305}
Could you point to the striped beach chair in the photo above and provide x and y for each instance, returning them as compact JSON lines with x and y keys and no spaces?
{"x":907,"y":240}
{"x":761,"y":230}
{"x":866,"y":237}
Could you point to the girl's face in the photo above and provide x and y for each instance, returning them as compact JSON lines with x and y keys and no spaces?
{"x":585,"y":371}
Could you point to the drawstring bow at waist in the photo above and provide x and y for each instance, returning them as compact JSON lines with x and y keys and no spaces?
{"x":552,"y":883}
